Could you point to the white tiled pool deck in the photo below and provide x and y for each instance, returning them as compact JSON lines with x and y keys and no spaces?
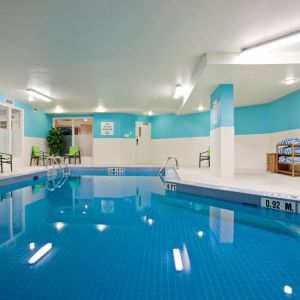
{"x":251,"y":180}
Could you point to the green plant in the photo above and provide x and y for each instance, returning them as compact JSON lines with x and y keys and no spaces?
{"x":56,"y":141}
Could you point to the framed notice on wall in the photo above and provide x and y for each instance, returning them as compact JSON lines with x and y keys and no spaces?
{"x":215,"y":112}
{"x":107,"y":128}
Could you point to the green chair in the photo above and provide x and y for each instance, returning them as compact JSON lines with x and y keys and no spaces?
{"x":37,"y":154}
{"x":204,"y":156}
{"x":5,"y":159}
{"x":74,"y":152}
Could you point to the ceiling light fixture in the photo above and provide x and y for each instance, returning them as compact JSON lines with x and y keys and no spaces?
{"x":284,"y":40}
{"x":290,"y":80}
{"x":59,"y":109}
{"x":39,"y":95}
{"x":150,"y":113}
{"x":178,"y":91}
{"x":100,"y":108}
{"x":201,"y":108}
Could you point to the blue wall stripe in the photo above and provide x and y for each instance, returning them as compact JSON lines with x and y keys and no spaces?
{"x":179,"y":126}
{"x":279,"y":115}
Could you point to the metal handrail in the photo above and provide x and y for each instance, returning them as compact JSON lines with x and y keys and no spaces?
{"x":63,"y":167}
{"x":165,"y":163}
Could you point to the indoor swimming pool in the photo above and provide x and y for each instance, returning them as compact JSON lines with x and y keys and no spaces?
{"x":101,"y":236}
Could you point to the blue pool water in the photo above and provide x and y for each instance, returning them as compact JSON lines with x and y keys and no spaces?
{"x":117,"y":237}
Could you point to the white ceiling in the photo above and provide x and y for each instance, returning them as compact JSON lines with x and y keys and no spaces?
{"x":129,"y":55}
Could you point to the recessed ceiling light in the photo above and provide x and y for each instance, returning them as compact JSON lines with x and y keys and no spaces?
{"x":30,"y":98}
{"x":178,"y":91}
{"x":201,"y":108}
{"x":290,"y":80}
{"x":85,"y":120}
{"x":100,"y":108}
{"x":38,"y":95}
{"x":59,"y":109}
{"x":150,"y":113}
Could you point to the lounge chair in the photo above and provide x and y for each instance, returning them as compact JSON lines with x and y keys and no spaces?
{"x":37,"y":154}
{"x":74,"y":152}
{"x":204,"y":156}
{"x":5,"y":158}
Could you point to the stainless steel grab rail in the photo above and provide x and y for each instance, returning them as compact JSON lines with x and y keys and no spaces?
{"x":52,"y":173}
{"x":165,"y":163}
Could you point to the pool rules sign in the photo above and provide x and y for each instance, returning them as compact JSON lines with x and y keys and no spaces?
{"x":107,"y":128}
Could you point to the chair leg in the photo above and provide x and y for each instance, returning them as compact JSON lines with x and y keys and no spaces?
{"x":38,"y":161}
{"x":31,"y":161}
{"x":1,"y":167}
{"x":11,"y":166}
{"x":209,"y":162}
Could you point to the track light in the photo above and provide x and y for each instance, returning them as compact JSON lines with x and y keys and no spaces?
{"x":38,"y":95}
{"x":284,"y":40}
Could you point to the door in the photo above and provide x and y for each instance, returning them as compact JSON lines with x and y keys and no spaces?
{"x":4,"y":129}
{"x":143,"y":142}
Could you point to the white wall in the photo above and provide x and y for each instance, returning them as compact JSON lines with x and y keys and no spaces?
{"x":186,"y":150}
{"x":112,"y":151}
{"x":24,"y":159}
{"x":251,"y":150}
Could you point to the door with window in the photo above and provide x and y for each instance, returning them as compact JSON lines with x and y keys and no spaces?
{"x":143,"y":142}
{"x":11,"y":130}
{"x":77,"y":132}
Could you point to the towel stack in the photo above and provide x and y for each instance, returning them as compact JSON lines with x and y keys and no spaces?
{"x":290,"y":141}
{"x":288,"y":159}
{"x":288,"y":150}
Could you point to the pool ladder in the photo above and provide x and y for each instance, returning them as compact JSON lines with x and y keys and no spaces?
{"x":165,"y":163}
{"x":52,"y":173}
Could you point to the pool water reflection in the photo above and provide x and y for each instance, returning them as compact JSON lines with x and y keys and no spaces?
{"x":124,"y":237}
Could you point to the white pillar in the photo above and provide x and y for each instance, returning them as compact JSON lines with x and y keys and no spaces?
{"x":222,"y":131}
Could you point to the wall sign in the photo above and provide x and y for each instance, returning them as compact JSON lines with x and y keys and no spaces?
{"x":215,"y":112}
{"x":289,"y":206}
{"x":107,"y":128}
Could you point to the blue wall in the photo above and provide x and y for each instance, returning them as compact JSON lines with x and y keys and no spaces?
{"x":278,"y":115}
{"x":177,"y":126}
{"x":36,"y":124}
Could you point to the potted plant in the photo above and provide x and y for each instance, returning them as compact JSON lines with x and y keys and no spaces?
{"x":56,"y":141}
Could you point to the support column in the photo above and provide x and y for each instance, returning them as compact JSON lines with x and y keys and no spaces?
{"x":222,"y":131}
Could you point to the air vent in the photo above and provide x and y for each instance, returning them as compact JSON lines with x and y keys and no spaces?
{"x":9,"y":101}
{"x":35,"y":109}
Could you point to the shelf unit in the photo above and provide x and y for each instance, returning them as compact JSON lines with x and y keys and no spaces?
{"x":284,"y":167}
